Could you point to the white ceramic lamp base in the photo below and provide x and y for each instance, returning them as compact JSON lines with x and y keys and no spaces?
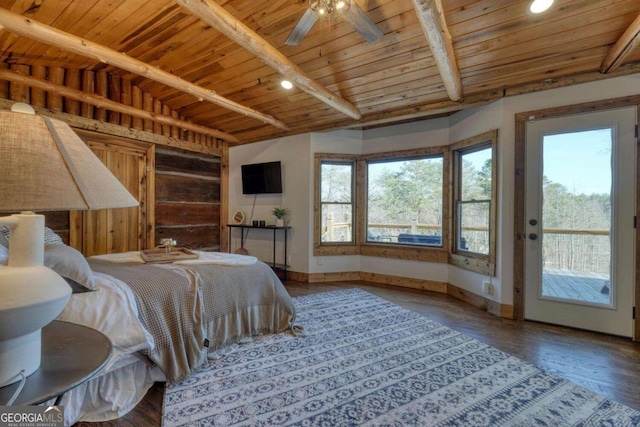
{"x":32,"y":296}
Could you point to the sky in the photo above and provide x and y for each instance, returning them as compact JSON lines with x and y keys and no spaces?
{"x":580,"y":161}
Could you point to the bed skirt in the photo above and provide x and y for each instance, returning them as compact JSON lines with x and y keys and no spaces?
{"x":110,"y":395}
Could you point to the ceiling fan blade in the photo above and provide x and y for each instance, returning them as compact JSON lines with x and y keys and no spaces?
{"x":359,"y":19}
{"x":302,"y":28}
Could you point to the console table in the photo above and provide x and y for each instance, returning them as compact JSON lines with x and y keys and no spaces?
{"x":284,"y":266}
{"x":71,"y":354}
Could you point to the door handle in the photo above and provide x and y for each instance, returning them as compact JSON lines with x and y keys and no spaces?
{"x":533,"y":236}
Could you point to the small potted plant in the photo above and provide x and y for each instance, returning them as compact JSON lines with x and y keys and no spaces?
{"x":280,"y":213}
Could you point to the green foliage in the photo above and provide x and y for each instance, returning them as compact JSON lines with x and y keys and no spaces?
{"x":407,"y":191}
{"x":336,"y":183}
{"x":280,"y":213}
{"x":484,"y":179}
{"x":564,"y":209}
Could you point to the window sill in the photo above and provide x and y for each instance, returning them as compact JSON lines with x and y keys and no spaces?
{"x":416,"y":253}
{"x":338,"y":249}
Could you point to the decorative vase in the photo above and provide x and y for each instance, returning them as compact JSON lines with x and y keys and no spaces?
{"x":279,"y":222}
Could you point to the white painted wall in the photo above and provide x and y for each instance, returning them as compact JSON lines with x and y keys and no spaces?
{"x":464,"y":125}
{"x":422,"y":134}
{"x":297,"y":152}
{"x":501,"y":115}
{"x":293,"y":152}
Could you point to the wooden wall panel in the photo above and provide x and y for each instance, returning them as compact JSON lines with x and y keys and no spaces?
{"x":187,"y":199}
{"x":189,"y":184}
{"x":118,"y":230}
{"x":168,"y":161}
{"x":171,"y":187}
{"x":168,"y":214}
{"x":197,"y":237}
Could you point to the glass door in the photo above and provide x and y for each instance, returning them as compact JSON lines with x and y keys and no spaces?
{"x":580,"y":207}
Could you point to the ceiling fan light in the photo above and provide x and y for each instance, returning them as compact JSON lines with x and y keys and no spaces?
{"x":539,"y":6}
{"x":326,"y":8}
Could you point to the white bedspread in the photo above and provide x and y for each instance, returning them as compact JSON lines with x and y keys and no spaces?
{"x":220,"y":258}
{"x":112,"y":310}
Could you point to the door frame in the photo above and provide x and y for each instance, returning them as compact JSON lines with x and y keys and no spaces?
{"x":519,"y":193}
{"x":146,"y":219}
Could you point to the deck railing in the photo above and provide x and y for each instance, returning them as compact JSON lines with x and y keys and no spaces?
{"x":564,"y":248}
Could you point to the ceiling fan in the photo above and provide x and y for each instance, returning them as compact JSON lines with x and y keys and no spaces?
{"x":348,"y":9}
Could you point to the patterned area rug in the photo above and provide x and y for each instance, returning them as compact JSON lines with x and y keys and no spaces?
{"x":366,"y":361}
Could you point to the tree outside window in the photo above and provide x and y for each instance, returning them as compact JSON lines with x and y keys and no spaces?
{"x":336,"y":201}
{"x":405,"y":201}
{"x":475,"y":203}
{"x":474,"y":199}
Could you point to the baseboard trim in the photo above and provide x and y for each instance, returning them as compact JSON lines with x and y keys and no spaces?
{"x":405,"y":282}
{"x":501,"y":310}
{"x":493,"y":307}
{"x":346,"y":276}
{"x":298,"y":276}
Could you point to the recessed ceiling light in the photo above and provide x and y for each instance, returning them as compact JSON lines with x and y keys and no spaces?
{"x":539,"y":6}
{"x":286,"y":84}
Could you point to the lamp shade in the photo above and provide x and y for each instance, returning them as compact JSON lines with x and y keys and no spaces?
{"x":46,"y":166}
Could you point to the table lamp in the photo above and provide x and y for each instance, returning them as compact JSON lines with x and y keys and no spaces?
{"x":45,"y":167}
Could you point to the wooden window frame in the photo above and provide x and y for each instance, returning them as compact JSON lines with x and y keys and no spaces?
{"x":404,"y":251}
{"x":479,"y":263}
{"x":334,"y":248}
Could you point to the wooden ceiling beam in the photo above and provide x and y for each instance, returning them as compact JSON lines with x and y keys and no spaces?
{"x":101,"y":102}
{"x":216,"y":16}
{"x":431,"y":18}
{"x":34,"y":30}
{"x":626,"y":44}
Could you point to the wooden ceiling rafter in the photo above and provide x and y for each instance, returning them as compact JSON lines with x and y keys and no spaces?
{"x":216,"y":16}
{"x":31,"y":29}
{"x":499,"y":46}
{"x":102,"y":102}
{"x":621,"y":50}
{"x":431,"y":18}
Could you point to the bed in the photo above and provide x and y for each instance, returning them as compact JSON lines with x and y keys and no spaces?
{"x":164,"y":320}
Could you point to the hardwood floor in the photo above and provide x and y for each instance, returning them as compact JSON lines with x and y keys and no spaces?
{"x":605,"y":364}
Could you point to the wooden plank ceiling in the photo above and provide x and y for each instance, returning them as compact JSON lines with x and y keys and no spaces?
{"x":498,"y":45}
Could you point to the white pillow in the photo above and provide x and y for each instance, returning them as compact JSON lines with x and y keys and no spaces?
{"x":4,"y":255}
{"x":50,"y":237}
{"x":3,"y":240}
{"x":70,"y":264}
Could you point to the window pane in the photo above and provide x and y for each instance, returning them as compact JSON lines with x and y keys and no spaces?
{"x":473,"y":229}
{"x":404,"y":202}
{"x":337,"y":223}
{"x":577,"y":218}
{"x":476,"y":175}
{"x":336,"y":182}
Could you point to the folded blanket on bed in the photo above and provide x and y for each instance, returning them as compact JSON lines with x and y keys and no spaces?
{"x":182,"y":305}
{"x":170,"y":308}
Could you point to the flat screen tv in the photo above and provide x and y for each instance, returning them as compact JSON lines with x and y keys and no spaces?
{"x":261,"y":178}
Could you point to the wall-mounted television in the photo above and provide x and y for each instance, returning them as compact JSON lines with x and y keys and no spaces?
{"x":261,"y":178}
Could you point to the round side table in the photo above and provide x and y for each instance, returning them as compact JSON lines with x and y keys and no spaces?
{"x":71,"y":354}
